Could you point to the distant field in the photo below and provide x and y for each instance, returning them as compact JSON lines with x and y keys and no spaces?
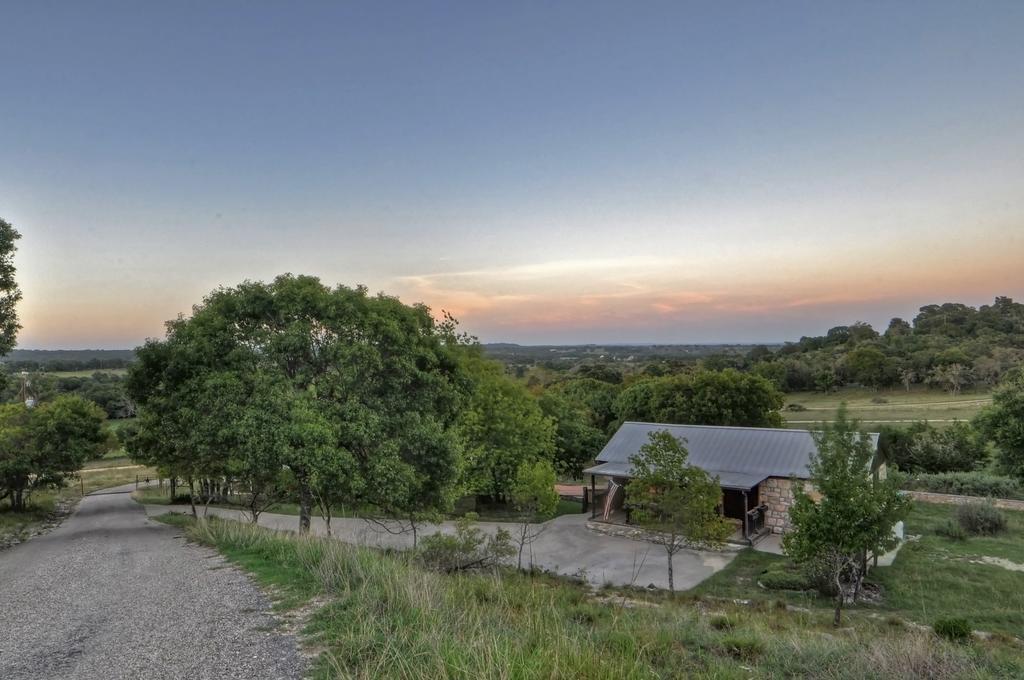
{"x":900,"y":406}
{"x":87,"y":374}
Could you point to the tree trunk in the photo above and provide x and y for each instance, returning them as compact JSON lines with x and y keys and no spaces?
{"x":671,"y":579}
{"x":174,"y":487}
{"x":522,"y":544}
{"x":839,"y":598}
{"x":192,"y":497}
{"x":305,"y":505}
{"x":18,"y":500}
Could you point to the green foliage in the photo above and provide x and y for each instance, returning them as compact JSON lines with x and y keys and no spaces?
{"x":534,"y":490}
{"x":868,"y":365}
{"x":1003,"y":423}
{"x":676,"y":500}
{"x":705,"y":397}
{"x":981,"y":519}
{"x":922,"y":448}
{"x":501,"y":427}
{"x":41,"y":447}
{"x":953,"y":628}
{"x":469,"y":548}
{"x":961,"y":484}
{"x":783,"y":577}
{"x":952,"y":530}
{"x":10,"y":294}
{"x":577,"y":438}
{"x":355,"y":395}
{"x":950,"y":346}
{"x":854,"y":516}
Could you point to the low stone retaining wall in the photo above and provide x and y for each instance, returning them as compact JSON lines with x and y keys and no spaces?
{"x":952,"y":499}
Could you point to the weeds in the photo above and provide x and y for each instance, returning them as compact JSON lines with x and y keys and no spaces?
{"x":386,"y":616}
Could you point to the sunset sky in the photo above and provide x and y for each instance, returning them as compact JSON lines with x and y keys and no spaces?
{"x":549,"y":172}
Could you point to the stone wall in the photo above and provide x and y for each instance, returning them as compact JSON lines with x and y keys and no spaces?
{"x":777,"y":494}
{"x":951,"y":499}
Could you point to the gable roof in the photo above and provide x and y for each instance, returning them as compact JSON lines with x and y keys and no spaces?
{"x":739,"y":456}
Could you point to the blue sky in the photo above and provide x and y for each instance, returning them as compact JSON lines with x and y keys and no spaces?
{"x":570,"y":172}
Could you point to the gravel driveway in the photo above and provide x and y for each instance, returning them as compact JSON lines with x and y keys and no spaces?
{"x":110,"y":594}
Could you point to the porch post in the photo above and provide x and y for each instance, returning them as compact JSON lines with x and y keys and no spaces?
{"x":593,"y":497}
{"x":746,"y":518}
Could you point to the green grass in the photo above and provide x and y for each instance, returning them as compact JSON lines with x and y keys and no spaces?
{"x":931,"y":578}
{"x":938,"y":577}
{"x":383,"y":616}
{"x":18,"y":524}
{"x":900,"y":407}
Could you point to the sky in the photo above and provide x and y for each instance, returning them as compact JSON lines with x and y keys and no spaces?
{"x":563,"y":172}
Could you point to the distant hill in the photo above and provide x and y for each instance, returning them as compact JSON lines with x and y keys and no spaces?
{"x":67,"y":359}
{"x":511,"y":353}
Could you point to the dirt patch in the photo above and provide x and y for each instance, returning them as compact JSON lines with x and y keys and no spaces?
{"x":999,"y":562}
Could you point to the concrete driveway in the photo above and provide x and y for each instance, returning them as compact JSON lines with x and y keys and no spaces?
{"x":565,"y":547}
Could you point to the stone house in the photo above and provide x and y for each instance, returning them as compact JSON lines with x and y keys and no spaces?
{"x":755,"y":466}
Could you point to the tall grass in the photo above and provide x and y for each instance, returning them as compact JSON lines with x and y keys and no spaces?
{"x":385,"y":616}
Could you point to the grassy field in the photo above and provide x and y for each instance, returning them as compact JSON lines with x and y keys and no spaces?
{"x":899,"y":406}
{"x":932,"y":577}
{"x":161,"y":496}
{"x":87,"y":373}
{"x":370,"y":614}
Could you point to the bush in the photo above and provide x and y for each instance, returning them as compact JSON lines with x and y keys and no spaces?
{"x":952,"y":530}
{"x":796,"y":407}
{"x":922,"y":448}
{"x":961,"y":483}
{"x":981,"y":519}
{"x":953,"y":628}
{"x":785,"y":579}
{"x":468,"y":549}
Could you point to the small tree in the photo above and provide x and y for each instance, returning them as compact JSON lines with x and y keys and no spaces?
{"x":855,"y":515}
{"x":42,"y":447}
{"x":533,"y":494}
{"x":1003,"y":423}
{"x":676,"y":500}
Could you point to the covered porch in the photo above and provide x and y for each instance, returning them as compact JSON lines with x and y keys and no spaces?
{"x":740,"y":501}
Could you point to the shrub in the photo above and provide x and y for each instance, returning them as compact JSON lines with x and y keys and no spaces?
{"x":785,"y":579}
{"x":796,"y":407}
{"x":962,"y":484}
{"x":953,"y":628}
{"x":981,"y":519}
{"x":952,"y":530}
{"x":922,"y":448}
{"x":468,"y":549}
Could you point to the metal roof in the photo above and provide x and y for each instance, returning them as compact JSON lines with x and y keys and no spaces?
{"x":740,"y":456}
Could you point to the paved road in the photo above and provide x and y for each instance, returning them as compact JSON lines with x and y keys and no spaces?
{"x":565,"y":547}
{"x":110,"y":594}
